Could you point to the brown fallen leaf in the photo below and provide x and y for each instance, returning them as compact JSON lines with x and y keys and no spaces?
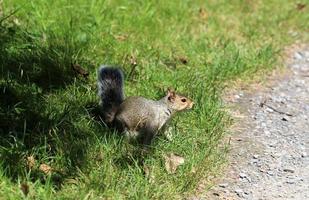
{"x":121,"y":37}
{"x":172,"y":161}
{"x":300,"y":6}
{"x":46,"y":169}
{"x":133,"y":63}
{"x":79,"y":70}
{"x":133,"y":60}
{"x":24,"y":188}
{"x":30,"y":162}
{"x":149,"y":174}
{"x":203,"y":13}
{"x":183,"y":60}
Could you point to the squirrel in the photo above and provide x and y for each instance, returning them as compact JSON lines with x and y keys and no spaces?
{"x":135,"y":116}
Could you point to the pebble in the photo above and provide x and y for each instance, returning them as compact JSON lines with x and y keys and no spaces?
{"x":242,"y":175}
{"x":216,"y":194}
{"x":290,"y":170}
{"x":269,"y":110}
{"x":239,"y":192}
{"x":267,"y":132}
{"x":290,"y":181}
{"x":270,"y":173}
{"x":254,"y":161}
{"x":223,"y":185}
{"x":303,"y":154}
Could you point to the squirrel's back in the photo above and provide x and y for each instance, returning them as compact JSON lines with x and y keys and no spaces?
{"x":138,"y":112}
{"x":110,"y":87}
{"x":134,"y":109}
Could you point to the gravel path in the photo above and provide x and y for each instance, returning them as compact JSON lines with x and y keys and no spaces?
{"x":269,"y":151}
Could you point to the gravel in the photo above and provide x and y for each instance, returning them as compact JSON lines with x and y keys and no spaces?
{"x":269,"y":149}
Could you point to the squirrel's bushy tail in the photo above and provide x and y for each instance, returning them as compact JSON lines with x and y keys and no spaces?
{"x":110,"y":90}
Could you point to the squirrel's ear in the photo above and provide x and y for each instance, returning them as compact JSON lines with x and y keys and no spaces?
{"x":170,"y":91}
{"x":170,"y":94}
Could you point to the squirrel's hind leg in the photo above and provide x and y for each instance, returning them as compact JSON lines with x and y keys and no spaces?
{"x":148,"y":134}
{"x":122,"y":128}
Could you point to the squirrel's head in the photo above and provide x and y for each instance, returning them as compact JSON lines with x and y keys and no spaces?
{"x":178,"y":102}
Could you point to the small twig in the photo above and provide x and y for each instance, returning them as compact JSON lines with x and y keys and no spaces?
{"x":274,"y":109}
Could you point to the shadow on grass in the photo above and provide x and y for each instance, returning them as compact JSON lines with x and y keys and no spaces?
{"x":30,"y":58}
{"x":31,"y":66}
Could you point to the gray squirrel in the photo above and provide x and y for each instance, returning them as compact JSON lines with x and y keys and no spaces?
{"x":135,"y":116}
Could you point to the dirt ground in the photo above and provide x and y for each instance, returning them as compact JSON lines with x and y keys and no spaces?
{"x":270,"y":144}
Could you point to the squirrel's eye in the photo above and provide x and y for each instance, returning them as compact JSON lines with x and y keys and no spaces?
{"x":183,"y":100}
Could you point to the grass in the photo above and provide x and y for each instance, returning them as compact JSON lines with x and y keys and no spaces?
{"x":49,"y":112}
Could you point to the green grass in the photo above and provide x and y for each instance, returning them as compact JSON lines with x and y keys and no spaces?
{"x":51,"y":113}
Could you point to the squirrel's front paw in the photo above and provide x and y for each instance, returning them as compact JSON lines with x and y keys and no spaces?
{"x":169,"y":134}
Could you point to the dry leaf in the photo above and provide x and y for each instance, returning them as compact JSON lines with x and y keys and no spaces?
{"x":133,"y":63}
{"x":30,"y":162}
{"x":79,"y":70}
{"x":46,"y":169}
{"x":133,"y":60}
{"x":24,"y":188}
{"x":172,"y":161}
{"x":300,"y":6}
{"x":203,"y":13}
{"x":121,"y":37}
{"x":183,"y":60}
{"x":148,"y":174}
